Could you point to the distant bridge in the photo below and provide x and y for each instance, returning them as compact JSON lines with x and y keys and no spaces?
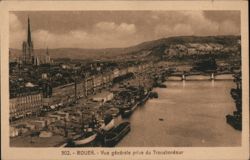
{"x":200,"y":76}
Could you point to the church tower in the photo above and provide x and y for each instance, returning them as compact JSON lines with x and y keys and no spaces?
{"x":28,"y":47}
{"x":47,"y":57}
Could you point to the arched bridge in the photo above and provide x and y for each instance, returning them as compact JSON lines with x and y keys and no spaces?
{"x":200,"y":76}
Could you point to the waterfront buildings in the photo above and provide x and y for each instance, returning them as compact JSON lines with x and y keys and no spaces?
{"x":28,"y":102}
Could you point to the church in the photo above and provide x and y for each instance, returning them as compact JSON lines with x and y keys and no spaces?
{"x":29,"y":57}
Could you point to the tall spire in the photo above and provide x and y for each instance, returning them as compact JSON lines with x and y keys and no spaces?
{"x":29,"y":41}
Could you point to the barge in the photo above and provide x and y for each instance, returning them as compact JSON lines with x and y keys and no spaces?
{"x":235,"y":120}
{"x":115,"y":135}
{"x":85,"y":140}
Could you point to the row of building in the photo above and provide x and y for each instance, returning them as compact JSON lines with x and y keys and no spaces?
{"x":35,"y":98}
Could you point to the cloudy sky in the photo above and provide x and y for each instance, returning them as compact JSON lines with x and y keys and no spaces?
{"x":113,"y":29}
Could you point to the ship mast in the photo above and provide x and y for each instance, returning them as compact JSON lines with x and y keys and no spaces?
{"x":65,"y":128}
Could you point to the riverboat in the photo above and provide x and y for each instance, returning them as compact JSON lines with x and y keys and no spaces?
{"x":108,"y":124}
{"x":144,"y":98}
{"x":238,"y":104}
{"x":160,"y":85}
{"x":86,"y":140}
{"x":129,"y":110}
{"x":153,"y":95}
{"x":235,"y":121}
{"x":114,"y":136}
{"x":113,"y":111}
{"x":236,"y":93}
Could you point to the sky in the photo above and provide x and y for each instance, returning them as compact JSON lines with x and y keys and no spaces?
{"x":115,"y":29}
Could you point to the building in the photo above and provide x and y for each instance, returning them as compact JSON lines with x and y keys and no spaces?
{"x":89,"y":85}
{"x":103,"y":97}
{"x":63,"y":94}
{"x":25,"y":104}
{"x":98,"y":81}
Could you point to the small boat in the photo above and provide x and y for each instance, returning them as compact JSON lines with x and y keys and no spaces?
{"x":115,"y":135}
{"x":127,"y":112}
{"x":162,"y":86}
{"x":153,"y":95}
{"x":113,"y":111}
{"x":236,"y":93}
{"x":90,"y":137}
{"x":144,"y":98}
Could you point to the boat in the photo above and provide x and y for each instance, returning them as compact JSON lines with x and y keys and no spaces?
{"x":238,"y":104}
{"x":162,"y":86}
{"x":144,"y":98}
{"x":113,"y":111}
{"x":115,"y":135}
{"x":153,"y":95}
{"x":236,"y":93}
{"x":61,"y":145}
{"x":129,"y":110}
{"x":86,"y":140}
{"x":161,"y":119}
{"x":108,"y":124}
{"x":87,"y":136}
{"x":235,"y":121}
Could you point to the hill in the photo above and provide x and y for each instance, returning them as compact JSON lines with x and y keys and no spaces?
{"x":169,"y":47}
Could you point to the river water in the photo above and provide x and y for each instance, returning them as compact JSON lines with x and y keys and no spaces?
{"x":192,"y":113}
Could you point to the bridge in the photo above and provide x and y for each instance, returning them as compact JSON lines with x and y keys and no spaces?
{"x":200,"y":76}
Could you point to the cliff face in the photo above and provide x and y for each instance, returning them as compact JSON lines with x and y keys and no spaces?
{"x":171,"y":48}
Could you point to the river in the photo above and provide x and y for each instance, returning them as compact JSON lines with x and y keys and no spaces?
{"x":186,"y":114}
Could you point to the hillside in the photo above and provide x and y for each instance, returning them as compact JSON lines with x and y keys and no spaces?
{"x":169,"y":47}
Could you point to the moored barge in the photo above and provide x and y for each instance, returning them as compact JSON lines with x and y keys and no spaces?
{"x":85,"y":140}
{"x":114,"y":136}
{"x":235,"y":120}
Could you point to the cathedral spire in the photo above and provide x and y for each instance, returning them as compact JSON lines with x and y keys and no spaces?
{"x":29,"y":41}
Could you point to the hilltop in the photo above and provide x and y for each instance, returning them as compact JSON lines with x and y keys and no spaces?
{"x":172,"y":47}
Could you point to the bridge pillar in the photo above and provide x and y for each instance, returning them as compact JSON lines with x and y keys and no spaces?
{"x":212,"y":76}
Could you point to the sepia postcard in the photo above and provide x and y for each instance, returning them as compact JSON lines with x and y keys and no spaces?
{"x":124,"y":80}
